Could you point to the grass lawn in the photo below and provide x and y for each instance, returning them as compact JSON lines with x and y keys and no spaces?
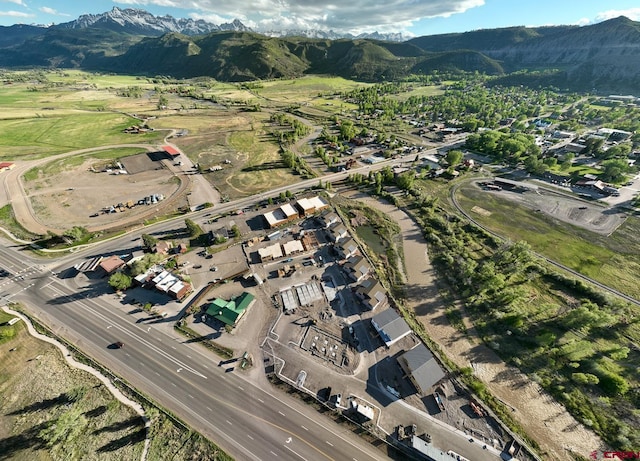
{"x":41,"y":136}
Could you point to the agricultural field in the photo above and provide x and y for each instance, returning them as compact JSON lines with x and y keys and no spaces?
{"x":303,"y":90}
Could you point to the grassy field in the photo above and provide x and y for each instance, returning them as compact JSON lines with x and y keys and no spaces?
{"x":305,"y":89}
{"x":42,"y":136}
{"x":219,"y":137}
{"x":50,"y":411}
{"x":8,"y":222}
{"x":69,"y":415}
{"x":614,"y":260}
{"x":420,"y":91}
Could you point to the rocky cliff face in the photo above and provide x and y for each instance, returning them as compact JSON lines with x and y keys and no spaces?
{"x":141,"y":22}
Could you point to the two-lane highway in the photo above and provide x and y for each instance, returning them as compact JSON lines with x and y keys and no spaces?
{"x":247,"y":421}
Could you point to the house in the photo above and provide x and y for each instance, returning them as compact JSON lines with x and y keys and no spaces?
{"x":558,"y":134}
{"x":338,"y":231}
{"x":309,"y":206}
{"x":371,"y":293}
{"x":230,"y":312}
{"x":270,"y":253}
{"x":181,"y":248}
{"x":163,"y":247}
{"x":421,"y":367}
{"x":357,"y":268}
{"x":346,"y":248}
{"x":329,"y":219}
{"x":390,"y":326}
{"x":6,"y":166}
{"x":111,"y":264}
{"x":574,"y":147}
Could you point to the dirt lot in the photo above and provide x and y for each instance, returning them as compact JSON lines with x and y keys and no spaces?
{"x":587,"y":215}
{"x":69,"y":198}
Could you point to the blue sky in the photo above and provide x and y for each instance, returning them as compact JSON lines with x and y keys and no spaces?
{"x":416,"y":17}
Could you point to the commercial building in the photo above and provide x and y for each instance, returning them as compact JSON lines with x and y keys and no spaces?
{"x":230,"y":312}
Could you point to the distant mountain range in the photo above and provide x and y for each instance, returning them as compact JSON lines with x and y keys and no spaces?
{"x":604,"y":57}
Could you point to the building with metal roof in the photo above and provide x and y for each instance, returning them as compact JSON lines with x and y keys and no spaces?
{"x":421,"y":368}
{"x":390,"y":326}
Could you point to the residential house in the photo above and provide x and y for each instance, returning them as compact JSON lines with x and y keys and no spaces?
{"x":5,"y":166}
{"x":371,"y":293}
{"x":329,"y":219}
{"x":346,"y":248}
{"x":357,"y":268}
{"x":421,"y":367}
{"x":390,"y":326}
{"x":338,"y":231}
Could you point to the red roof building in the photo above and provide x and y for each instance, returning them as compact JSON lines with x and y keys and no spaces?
{"x":173,"y":152}
{"x":6,"y":166}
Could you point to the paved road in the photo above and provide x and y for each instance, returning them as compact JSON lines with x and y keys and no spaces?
{"x":245,"y":420}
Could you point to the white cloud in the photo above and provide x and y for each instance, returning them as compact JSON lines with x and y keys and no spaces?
{"x":631,"y":13}
{"x":349,"y":16}
{"x":17,"y":2}
{"x":16,"y":14}
{"x":47,"y":10}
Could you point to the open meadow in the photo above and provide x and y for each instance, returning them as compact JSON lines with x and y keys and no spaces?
{"x":611,"y":259}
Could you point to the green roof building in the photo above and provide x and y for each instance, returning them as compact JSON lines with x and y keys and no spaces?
{"x":230,"y":312}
